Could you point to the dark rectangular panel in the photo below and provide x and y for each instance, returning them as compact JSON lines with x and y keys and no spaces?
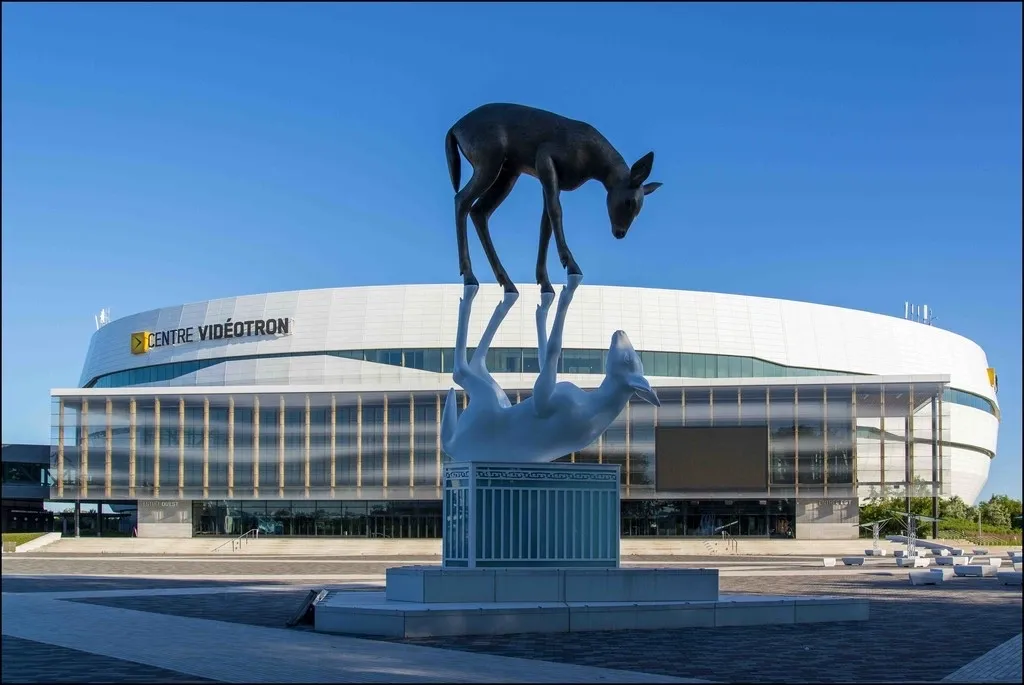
{"x":710,"y":458}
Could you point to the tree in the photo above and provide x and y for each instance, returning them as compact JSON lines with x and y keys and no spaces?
{"x":956,"y":508}
{"x":993,"y":513}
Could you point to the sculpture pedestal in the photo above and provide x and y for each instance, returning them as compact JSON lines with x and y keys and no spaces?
{"x":535,"y":548}
{"x":499,"y":515}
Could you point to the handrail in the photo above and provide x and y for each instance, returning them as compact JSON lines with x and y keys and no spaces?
{"x":236,"y":543}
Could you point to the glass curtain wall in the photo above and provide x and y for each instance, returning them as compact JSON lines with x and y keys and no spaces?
{"x":824,"y":440}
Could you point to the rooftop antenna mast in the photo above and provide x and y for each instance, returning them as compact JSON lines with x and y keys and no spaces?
{"x":919,"y":313}
{"x":102,"y":319}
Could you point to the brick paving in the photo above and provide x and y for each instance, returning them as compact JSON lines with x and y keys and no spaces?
{"x":904,"y":639}
{"x":1001,"y":665}
{"x":26,"y":661}
{"x":915,"y":633}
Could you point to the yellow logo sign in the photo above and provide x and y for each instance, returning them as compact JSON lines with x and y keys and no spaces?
{"x":140,"y":342}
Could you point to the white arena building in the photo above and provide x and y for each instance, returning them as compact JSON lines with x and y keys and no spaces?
{"x":316,"y":412}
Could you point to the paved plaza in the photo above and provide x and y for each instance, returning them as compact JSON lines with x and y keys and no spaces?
{"x":80,"y":618}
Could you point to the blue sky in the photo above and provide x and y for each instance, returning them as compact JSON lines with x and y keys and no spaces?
{"x":857,"y":155}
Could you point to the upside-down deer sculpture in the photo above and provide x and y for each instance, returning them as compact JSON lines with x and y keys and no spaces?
{"x":504,"y":141}
{"x":558,"y":418}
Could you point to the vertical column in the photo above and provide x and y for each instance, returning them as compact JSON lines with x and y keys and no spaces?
{"x":853,"y":436}
{"x":629,"y":429}
{"x":908,"y":441}
{"x":682,"y":406}
{"x":359,"y":441}
{"x":108,"y":462}
{"x":711,"y":406}
{"x":881,"y":438}
{"x":132,"y":434}
{"x":600,"y":449}
{"x":280,"y":447}
{"x":935,"y":463}
{"x":437,"y":438}
{"x":334,"y":442}
{"x":206,"y":448}
{"x":739,"y":407}
{"x":305,"y":449}
{"x":156,"y":447}
{"x":60,"y":447}
{"x":412,"y":441}
{"x":384,"y":444}
{"x":824,"y":430}
{"x":768,"y":418}
{"x":256,"y":446}
{"x":231,"y":446}
{"x":181,"y":447}
{"x":83,"y":460}
{"x":796,"y":441}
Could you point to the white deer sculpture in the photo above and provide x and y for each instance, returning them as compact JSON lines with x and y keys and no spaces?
{"x":559,"y":418}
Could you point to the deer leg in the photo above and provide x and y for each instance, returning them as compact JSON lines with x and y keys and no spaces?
{"x":500,"y":312}
{"x":483,"y":177}
{"x":546,"y":298}
{"x":548,"y":176}
{"x":542,"y":255}
{"x":482,"y":210}
{"x":461,"y":369}
{"x":544,"y":387}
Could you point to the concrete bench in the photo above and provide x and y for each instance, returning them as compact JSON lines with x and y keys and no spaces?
{"x":957,"y":552}
{"x":875,"y":552}
{"x":976,"y":571}
{"x":995,"y":562}
{"x":944,"y":561}
{"x":1009,"y":577}
{"x":1017,"y":566}
{"x":932,"y":576}
{"x":946,"y":571}
{"x":980,"y":552}
{"x":913,"y":562}
{"x":828,"y":561}
{"x":1016,"y":558}
{"x":944,"y":552}
{"x":853,"y":561}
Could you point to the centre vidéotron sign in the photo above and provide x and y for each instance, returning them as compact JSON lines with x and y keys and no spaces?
{"x":143,"y":341}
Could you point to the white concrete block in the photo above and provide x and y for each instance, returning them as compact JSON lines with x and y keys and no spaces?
{"x":1009,"y":577}
{"x":828,"y":562}
{"x":926,"y":577}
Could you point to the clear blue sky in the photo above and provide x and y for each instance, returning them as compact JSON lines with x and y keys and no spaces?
{"x":857,"y":155}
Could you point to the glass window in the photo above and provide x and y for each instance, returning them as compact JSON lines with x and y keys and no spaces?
{"x":660,"y":364}
{"x":674,"y":365}
{"x":432,"y":360}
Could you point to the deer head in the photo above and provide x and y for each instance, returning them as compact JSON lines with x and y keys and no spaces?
{"x":626,"y":198}
{"x":625,"y":369}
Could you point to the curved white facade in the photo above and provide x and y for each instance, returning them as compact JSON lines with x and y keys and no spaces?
{"x":794,"y":334}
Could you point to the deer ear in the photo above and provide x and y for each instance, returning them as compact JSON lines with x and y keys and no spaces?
{"x":639,"y":172}
{"x":651,"y":187}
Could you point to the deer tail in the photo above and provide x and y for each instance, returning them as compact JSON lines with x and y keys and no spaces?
{"x":451,"y":151}
{"x":449,"y":417}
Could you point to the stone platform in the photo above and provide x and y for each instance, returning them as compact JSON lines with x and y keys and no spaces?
{"x":435,"y":602}
{"x":435,"y":585}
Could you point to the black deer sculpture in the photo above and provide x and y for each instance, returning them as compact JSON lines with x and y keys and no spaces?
{"x":504,"y":141}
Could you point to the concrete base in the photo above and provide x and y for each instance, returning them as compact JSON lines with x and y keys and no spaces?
{"x":876,"y":552}
{"x":435,"y":585}
{"x":371,"y":613}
